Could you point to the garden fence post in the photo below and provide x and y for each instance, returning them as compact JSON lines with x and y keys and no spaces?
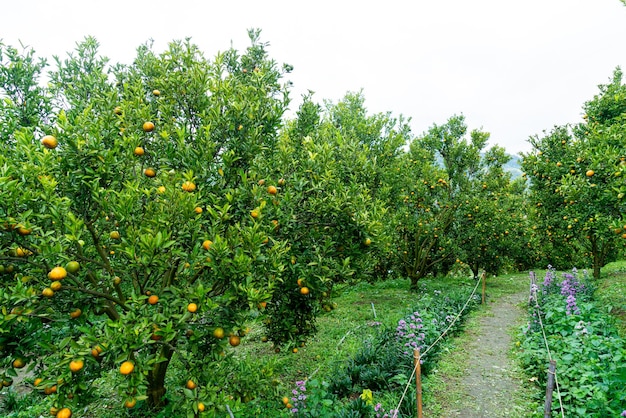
{"x":418,"y":381}
{"x":484,"y":279}
{"x":547,"y":411}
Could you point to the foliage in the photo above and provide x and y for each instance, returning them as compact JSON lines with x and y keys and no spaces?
{"x":576,"y":180}
{"x":326,"y":208}
{"x":456,"y":204}
{"x":584,"y":342}
{"x":171,"y":221}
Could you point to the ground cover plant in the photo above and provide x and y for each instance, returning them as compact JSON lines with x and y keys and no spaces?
{"x":582,"y":338}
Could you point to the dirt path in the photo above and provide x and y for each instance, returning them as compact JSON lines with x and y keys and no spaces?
{"x":483,"y":380}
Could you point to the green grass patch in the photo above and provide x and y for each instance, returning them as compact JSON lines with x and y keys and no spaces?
{"x":611,"y":292}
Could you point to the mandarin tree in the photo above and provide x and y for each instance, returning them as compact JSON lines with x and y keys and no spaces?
{"x":131,"y":245}
{"x":577,"y":182}
{"x":325,"y":211}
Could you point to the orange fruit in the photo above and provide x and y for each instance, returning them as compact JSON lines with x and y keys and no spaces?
{"x":56,"y":286}
{"x":218,"y":333}
{"x":201,"y":407}
{"x":198,"y":210}
{"x":207,"y":244}
{"x":115,"y":235}
{"x":64,"y":413}
{"x":49,"y":142}
{"x":234,"y":340}
{"x":189,"y":186}
{"x":191,"y":385}
{"x":75,"y":313}
{"x":127,"y":368}
{"x":139,"y":151}
{"x":152,"y":300}
{"x":285,"y":400}
{"x":281,"y":182}
{"x":261,"y":182}
{"x":156,"y":92}
{"x":18,"y":363}
{"x":24,"y":231}
{"x":161,"y":189}
{"x":367,"y":241}
{"x":590,"y":173}
{"x":37,"y":381}
{"x":57,"y":273}
{"x":192,"y":307}
{"x":148,"y":126}
{"x":72,"y":267}
{"x":149,"y":172}
{"x":300,"y":282}
{"x":49,"y":390}
{"x":95,"y":354}
{"x":254,"y":213}
{"x":304,"y":290}
{"x":47,"y":292}
{"x":76,"y":365}
{"x":117,"y":280}
{"x":272,"y":190}
{"x":130,"y":403}
{"x":262,"y":305}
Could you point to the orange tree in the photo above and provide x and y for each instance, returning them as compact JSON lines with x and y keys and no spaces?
{"x":127,"y":215}
{"x":439,"y":172}
{"x":491,"y":228}
{"x":577,"y":182}
{"x":320,"y":203}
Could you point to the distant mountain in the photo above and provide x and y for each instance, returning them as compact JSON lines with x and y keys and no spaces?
{"x":514,"y":166}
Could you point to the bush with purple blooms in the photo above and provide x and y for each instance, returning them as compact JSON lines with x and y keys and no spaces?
{"x":590,"y":355}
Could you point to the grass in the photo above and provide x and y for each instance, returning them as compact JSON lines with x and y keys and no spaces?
{"x":611,"y":292}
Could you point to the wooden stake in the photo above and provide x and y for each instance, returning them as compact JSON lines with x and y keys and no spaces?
{"x":418,"y":381}
{"x":484,"y":279}
{"x":547,"y":410}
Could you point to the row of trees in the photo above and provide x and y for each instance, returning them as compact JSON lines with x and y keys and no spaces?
{"x":149,"y":210}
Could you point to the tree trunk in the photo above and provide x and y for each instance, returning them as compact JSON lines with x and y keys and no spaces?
{"x":156,"y":379}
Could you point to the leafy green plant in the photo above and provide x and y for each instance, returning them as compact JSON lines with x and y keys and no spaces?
{"x":583,"y":341}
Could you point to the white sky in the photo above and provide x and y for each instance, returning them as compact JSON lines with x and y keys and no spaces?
{"x":513,"y":68}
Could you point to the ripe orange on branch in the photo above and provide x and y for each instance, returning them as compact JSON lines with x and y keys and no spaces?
{"x":149,"y":172}
{"x":127,"y":368}
{"x":153,"y":300}
{"x":18,"y":363}
{"x":139,"y":151}
{"x":57,"y":273}
{"x":64,"y":413}
{"x":272,"y":190}
{"x":49,"y":142}
{"x":234,"y":340}
{"x":76,"y":365}
{"x":189,"y":186}
{"x":148,"y":126}
{"x":192,"y":307}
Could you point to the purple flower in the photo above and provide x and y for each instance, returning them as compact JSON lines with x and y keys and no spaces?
{"x":623,"y":414}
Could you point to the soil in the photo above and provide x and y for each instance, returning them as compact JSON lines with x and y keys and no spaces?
{"x":491,"y":380}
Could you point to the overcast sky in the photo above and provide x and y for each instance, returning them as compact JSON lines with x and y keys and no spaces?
{"x":513,"y":68}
